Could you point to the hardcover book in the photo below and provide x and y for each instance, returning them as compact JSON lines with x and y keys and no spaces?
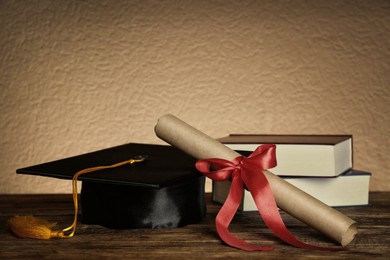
{"x":301,"y":155}
{"x":348,"y":189}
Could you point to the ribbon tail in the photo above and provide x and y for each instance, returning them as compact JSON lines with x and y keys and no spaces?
{"x":226,"y":214}
{"x":264,"y":199}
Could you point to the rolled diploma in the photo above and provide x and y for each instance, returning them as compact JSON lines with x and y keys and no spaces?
{"x":290,"y":199}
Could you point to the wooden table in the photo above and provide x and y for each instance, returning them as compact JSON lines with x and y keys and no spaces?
{"x":194,"y":241}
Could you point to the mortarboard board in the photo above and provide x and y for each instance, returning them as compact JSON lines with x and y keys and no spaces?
{"x":163,"y":191}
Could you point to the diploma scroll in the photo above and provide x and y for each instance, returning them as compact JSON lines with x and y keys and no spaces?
{"x":290,"y":199}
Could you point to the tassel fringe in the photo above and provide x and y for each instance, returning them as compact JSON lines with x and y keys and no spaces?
{"x":31,"y":227}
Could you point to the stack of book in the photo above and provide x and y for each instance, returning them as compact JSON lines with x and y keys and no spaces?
{"x":320,"y":165}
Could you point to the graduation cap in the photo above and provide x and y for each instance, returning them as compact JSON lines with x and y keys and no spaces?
{"x":127,"y":186}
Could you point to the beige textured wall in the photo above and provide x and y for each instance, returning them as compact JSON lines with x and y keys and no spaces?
{"x":77,"y":76}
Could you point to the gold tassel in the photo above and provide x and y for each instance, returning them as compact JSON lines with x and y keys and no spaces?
{"x":33,"y":227}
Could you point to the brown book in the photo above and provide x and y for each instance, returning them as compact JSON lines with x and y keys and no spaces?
{"x":300,"y":155}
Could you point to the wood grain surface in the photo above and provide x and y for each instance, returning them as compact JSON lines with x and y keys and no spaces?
{"x":193,"y":241}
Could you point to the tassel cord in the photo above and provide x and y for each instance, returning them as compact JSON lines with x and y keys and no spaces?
{"x":72,"y":227}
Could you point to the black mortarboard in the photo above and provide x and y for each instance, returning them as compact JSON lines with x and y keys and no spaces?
{"x":165,"y":190}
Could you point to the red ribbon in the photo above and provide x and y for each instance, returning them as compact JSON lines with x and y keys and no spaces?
{"x":248,"y":171}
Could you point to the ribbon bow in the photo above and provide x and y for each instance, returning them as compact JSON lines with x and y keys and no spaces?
{"x":248,"y":171}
